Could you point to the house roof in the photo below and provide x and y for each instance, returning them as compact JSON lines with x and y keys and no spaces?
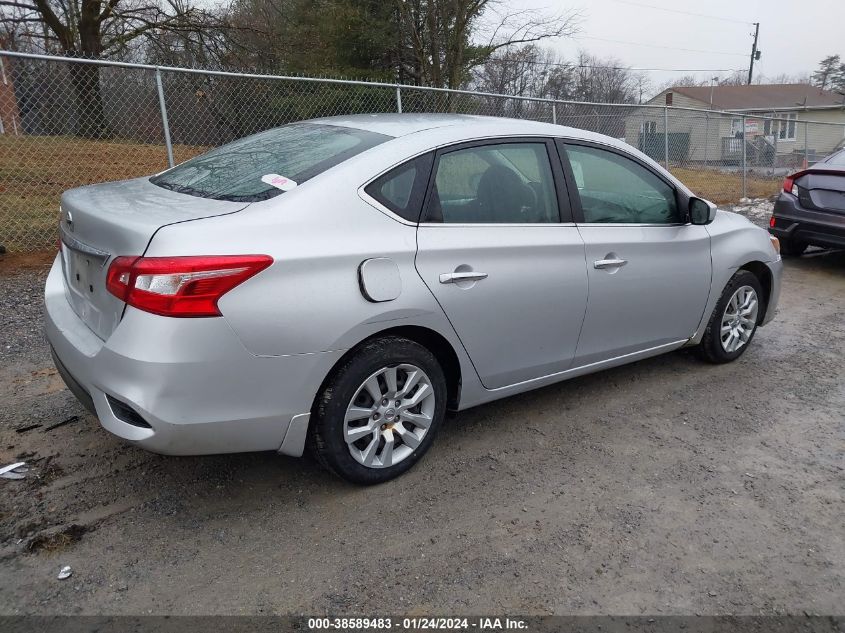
{"x":763,"y":96}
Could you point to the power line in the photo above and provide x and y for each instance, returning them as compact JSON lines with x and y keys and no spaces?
{"x":698,"y":15}
{"x":674,"y":48}
{"x":599,"y":67}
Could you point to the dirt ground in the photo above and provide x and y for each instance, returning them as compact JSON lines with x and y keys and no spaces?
{"x":667,"y":486}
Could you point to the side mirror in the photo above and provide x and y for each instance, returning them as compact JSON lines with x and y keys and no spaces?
{"x":701,"y":211}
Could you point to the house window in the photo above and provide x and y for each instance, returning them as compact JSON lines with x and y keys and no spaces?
{"x":784,"y":128}
{"x":648,"y":127}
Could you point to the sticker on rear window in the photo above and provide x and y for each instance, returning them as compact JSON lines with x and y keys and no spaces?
{"x":279,"y":182}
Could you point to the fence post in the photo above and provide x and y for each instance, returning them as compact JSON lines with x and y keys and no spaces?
{"x":554,"y":113}
{"x":3,"y":76}
{"x":164,"y":123}
{"x":398,"y":100}
{"x":744,"y":168}
{"x":666,"y":137}
{"x":806,"y":151}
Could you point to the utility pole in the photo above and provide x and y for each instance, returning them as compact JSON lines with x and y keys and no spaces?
{"x":755,"y":54}
{"x":707,"y":121}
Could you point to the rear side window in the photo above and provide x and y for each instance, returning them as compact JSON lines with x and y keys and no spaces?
{"x":614,"y":189}
{"x":507,"y":183}
{"x":402,"y":189}
{"x":266,"y":164}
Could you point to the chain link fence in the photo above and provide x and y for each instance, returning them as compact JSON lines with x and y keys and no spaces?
{"x":66,"y":123}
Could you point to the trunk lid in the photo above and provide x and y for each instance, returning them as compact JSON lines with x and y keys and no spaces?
{"x":822,"y":190}
{"x":100,"y":222}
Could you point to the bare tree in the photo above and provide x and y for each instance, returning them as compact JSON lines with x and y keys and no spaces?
{"x":786,"y":78}
{"x":94,"y":29}
{"x":605,"y":80}
{"x":686,"y":81}
{"x":440,"y":38}
{"x":527,"y":70}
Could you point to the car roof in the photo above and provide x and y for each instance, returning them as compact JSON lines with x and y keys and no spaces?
{"x":446,"y":129}
{"x":396,"y":125}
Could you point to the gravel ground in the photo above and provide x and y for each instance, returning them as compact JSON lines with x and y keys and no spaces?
{"x":667,"y":486}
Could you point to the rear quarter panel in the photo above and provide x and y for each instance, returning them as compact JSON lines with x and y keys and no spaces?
{"x":309,"y":300}
{"x":318,"y":234}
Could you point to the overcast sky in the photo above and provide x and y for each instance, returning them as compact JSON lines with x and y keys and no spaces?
{"x":793,"y":36}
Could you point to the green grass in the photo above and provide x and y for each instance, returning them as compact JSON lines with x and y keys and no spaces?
{"x":35,"y":170}
{"x":725,"y":188}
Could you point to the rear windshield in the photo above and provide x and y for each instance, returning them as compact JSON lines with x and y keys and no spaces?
{"x":266,"y":164}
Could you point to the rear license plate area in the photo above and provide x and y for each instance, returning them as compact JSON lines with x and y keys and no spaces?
{"x":82,"y":271}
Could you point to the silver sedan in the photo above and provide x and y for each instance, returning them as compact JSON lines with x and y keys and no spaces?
{"x":340,"y":284}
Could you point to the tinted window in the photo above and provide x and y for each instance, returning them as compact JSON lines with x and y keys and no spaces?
{"x":264,"y":165}
{"x":615,"y":189}
{"x":402,"y":189}
{"x":501,"y":184}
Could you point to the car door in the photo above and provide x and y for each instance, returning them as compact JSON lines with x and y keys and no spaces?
{"x":497,"y":248}
{"x":649,"y":270}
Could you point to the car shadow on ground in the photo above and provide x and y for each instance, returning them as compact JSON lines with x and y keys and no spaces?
{"x":86,"y":476}
{"x":226,"y":482}
{"x":815,"y":259}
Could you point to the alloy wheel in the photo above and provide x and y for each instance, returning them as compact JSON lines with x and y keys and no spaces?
{"x":389,"y":415}
{"x":739,"y":319}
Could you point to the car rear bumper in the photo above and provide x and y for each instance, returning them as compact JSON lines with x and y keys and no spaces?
{"x":797,"y":224}
{"x":182,"y":386}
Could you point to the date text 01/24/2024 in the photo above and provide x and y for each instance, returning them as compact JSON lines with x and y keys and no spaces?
{"x":417,"y":623}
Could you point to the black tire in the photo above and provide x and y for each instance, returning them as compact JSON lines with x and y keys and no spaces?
{"x":326,"y":431}
{"x":792,"y":248}
{"x":710,"y":348}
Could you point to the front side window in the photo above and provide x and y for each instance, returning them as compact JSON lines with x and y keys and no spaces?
{"x":508,"y":183}
{"x":266,"y":164}
{"x":617,"y":190}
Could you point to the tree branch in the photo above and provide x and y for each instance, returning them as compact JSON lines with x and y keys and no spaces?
{"x":18,"y":5}
{"x":53,"y":22}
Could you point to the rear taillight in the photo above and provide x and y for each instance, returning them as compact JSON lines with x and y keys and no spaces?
{"x":772,"y":221}
{"x":180,"y":286}
{"x":789,"y":185}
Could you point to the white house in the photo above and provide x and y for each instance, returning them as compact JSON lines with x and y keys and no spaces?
{"x":706,"y":124}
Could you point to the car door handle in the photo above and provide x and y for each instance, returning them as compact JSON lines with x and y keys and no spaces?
{"x":609,"y":263}
{"x":451,"y":278}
